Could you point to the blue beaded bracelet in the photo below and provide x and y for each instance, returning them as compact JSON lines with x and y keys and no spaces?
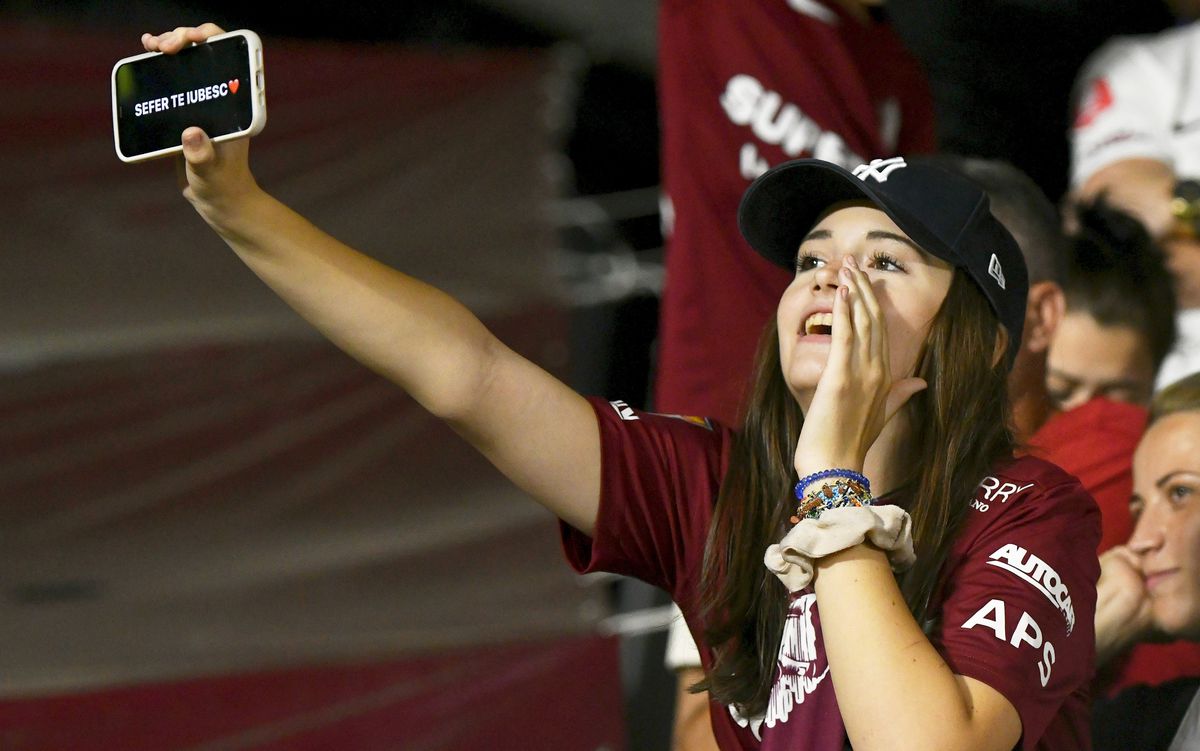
{"x":847,"y":473}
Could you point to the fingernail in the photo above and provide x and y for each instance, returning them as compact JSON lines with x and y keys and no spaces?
{"x":851,"y":262}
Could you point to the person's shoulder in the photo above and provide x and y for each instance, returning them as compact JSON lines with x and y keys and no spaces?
{"x":1033,"y":504}
{"x":1163,"y":46}
{"x":1027,"y":488}
{"x":1170,"y":41}
{"x":1033,"y":473}
{"x":616,"y":413}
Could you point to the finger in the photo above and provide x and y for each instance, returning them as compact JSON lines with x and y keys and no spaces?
{"x":185,"y":36}
{"x":842,"y":334}
{"x":1123,"y":553}
{"x":900,"y":393}
{"x":870,"y":299}
{"x":197,"y":149}
{"x":860,"y":317}
{"x":150,"y":42}
{"x":206,"y":30}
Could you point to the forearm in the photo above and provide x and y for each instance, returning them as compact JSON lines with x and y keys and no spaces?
{"x":407,"y":330}
{"x":876,"y":649}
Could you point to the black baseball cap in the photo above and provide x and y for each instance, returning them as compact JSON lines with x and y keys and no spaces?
{"x":944,"y":213}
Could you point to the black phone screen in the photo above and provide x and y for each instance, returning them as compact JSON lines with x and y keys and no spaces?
{"x":206,"y":85}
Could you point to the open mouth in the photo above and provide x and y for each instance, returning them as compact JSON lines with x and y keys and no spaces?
{"x":819,"y":323}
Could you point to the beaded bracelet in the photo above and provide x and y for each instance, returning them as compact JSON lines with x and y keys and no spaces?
{"x":842,"y":492}
{"x":846,"y":473}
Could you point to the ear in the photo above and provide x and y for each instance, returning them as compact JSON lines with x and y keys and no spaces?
{"x":1043,"y":312}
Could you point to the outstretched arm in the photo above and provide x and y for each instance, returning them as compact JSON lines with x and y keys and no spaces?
{"x":535,"y":429}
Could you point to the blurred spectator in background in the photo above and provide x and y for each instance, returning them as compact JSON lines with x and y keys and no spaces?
{"x":1152,"y":586}
{"x":743,"y":86}
{"x":1136,"y":138}
{"x":1093,"y":441}
{"x":1120,"y":319}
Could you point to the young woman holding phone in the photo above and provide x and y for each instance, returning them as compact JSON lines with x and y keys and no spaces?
{"x":876,"y":426}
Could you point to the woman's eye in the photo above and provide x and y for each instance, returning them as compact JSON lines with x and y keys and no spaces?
{"x":885,"y":262}
{"x":1059,"y":396}
{"x":1179,"y":493}
{"x":805,"y":262}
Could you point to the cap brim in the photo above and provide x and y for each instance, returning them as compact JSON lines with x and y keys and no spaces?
{"x":779,"y":209}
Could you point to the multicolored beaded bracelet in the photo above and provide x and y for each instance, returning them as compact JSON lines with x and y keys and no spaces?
{"x":842,"y":492}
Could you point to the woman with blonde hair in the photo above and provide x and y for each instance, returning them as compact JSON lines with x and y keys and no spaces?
{"x":1149,"y":589}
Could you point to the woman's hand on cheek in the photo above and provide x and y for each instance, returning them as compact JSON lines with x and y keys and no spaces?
{"x":1123,"y":613}
{"x":856,"y":395}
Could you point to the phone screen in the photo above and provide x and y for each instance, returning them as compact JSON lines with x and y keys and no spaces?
{"x":206,"y":85}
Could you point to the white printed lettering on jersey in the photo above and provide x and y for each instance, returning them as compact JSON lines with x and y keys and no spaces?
{"x":814,"y":9}
{"x":796,"y":669}
{"x":1017,"y":560}
{"x":996,"y":270}
{"x":994,"y":490}
{"x":879,"y":169}
{"x":993,"y":617}
{"x":747,"y":102}
{"x":751,"y":164}
{"x":624,"y":411}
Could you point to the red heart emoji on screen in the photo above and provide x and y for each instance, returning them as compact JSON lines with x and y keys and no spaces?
{"x":233,"y":86}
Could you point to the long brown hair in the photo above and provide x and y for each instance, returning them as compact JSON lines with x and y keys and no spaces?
{"x":960,"y":430}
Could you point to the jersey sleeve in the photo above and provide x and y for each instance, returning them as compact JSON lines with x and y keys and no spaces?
{"x":659,"y":479}
{"x":1018,"y":607}
{"x":1122,"y":109}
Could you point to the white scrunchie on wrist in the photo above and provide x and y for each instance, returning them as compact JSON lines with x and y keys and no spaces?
{"x":886,"y":527}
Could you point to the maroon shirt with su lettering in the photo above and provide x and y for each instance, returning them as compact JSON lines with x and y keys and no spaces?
{"x":1014,"y":606}
{"x":745,"y":85}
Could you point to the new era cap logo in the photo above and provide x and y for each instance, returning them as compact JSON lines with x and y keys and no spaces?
{"x":879,"y":168}
{"x":996,"y":271}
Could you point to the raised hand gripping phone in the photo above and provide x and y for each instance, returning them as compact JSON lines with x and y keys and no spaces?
{"x":217,"y":85}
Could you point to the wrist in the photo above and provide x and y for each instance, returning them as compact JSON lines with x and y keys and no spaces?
{"x":233,"y":214}
{"x":862,"y":554}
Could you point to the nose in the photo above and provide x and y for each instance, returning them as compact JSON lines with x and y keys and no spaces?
{"x":1148,"y":532}
{"x":827,"y":275}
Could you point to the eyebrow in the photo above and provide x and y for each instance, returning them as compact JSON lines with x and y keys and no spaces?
{"x":1167,"y":477}
{"x":1124,"y":383}
{"x":875,"y":234}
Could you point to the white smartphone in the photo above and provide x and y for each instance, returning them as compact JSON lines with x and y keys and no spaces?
{"x":216,"y":85}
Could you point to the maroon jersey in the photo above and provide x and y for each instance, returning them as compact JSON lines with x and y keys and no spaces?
{"x":745,"y":85}
{"x":1013,"y":608}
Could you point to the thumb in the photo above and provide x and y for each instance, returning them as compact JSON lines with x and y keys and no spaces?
{"x":901,"y":392}
{"x":197,"y":148}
